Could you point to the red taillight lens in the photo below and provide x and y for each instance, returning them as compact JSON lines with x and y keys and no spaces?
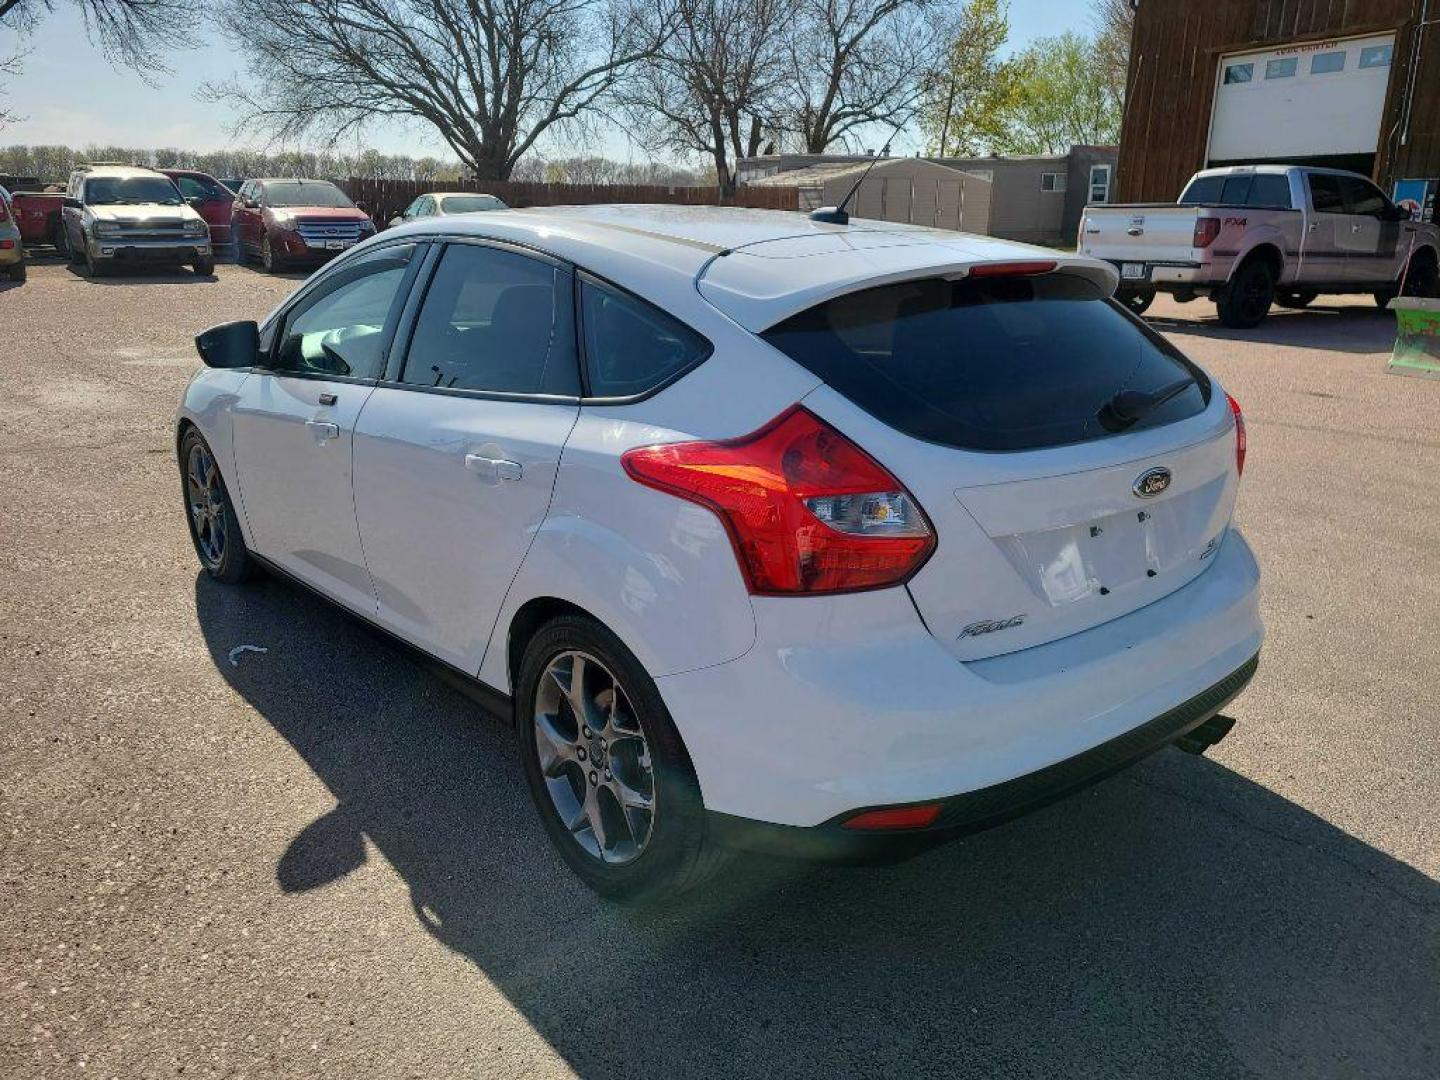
{"x":900,"y":817}
{"x":1239,"y":415}
{"x":808,"y":511}
{"x":1206,"y":230}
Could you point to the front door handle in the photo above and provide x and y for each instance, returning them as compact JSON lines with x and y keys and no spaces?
{"x":323,"y":429}
{"x":494,"y":468}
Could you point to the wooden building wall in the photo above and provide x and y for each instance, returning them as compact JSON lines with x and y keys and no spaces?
{"x":1173,"y":58}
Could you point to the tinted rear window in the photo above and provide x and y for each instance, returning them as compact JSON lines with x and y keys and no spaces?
{"x":1204,"y":189}
{"x":1000,"y":365}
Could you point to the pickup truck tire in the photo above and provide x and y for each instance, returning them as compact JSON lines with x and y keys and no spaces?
{"x":95,"y":267}
{"x":1137,"y":302}
{"x":1246,"y":300}
{"x":1295,"y":298}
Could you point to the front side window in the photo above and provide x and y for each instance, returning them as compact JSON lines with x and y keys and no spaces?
{"x":498,"y":321}
{"x":1327,"y":63}
{"x":1363,"y":198}
{"x":131,"y":191}
{"x":344,"y":327}
{"x":998,"y":364}
{"x":1326,"y":194}
{"x":1238,"y":73}
{"x":632,"y":347}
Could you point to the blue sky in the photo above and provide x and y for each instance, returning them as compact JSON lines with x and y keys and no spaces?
{"x":68,"y":93}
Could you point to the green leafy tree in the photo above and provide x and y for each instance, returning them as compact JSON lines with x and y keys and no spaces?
{"x":1060,"y":96}
{"x":965,"y":99}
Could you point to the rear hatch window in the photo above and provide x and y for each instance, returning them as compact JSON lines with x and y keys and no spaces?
{"x":998,"y":364}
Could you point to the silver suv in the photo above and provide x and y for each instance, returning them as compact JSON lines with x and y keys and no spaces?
{"x":123,"y":213}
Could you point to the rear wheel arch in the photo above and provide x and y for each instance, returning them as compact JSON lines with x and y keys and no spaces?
{"x":526,"y":623}
{"x":1264,"y":252}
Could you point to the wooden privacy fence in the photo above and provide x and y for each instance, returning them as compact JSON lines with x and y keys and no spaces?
{"x":385,"y":199}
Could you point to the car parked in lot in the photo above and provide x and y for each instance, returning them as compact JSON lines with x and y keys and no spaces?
{"x":286,"y":223}
{"x":441,"y":203}
{"x":12,"y":244}
{"x":837,"y":540}
{"x":1249,"y":236}
{"x":125,"y":214}
{"x":211,"y":199}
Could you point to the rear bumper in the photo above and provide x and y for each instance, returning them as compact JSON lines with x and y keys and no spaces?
{"x":973,"y":811}
{"x":848,"y":703}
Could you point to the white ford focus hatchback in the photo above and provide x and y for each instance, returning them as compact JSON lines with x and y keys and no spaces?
{"x":768,"y":533}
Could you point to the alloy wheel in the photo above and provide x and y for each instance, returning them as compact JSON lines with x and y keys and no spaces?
{"x":594,"y":758}
{"x":206,"y":500}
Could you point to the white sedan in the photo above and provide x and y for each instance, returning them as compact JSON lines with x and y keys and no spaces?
{"x":767,"y":532}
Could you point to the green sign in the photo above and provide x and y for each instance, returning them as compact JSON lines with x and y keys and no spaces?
{"x":1417,"y":338}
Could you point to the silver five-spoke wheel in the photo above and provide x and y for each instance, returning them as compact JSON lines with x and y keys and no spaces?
{"x":594,"y":758}
{"x":206,"y":499}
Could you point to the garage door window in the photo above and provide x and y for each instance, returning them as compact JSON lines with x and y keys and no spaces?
{"x":1238,"y":73}
{"x":1281,"y":69}
{"x":1374,"y":56}
{"x":1327,"y":63}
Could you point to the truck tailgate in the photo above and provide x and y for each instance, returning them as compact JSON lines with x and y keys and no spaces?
{"x":1141,"y":234}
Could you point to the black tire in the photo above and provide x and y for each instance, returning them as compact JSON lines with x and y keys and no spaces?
{"x":16,"y":273}
{"x":205,"y":265}
{"x":233,"y":563}
{"x":95,"y":267}
{"x":1423,"y":280}
{"x":271,"y":262}
{"x":1137,"y":302}
{"x":1295,"y":298}
{"x":59,"y":240}
{"x":1246,"y":300}
{"x":678,"y":854}
{"x":74,"y":254}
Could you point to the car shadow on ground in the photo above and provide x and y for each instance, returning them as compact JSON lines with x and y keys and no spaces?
{"x":141,"y":274}
{"x":1176,"y":920}
{"x":1353,"y":329}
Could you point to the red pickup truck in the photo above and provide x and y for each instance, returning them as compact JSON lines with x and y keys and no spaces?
{"x":38,"y":215}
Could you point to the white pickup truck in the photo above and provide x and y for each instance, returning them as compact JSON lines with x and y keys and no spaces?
{"x":1249,"y":236}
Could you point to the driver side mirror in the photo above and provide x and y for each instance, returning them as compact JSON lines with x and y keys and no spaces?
{"x":230,"y":345}
{"x":1396,"y":213}
{"x":249,"y":204}
{"x":70,"y":203}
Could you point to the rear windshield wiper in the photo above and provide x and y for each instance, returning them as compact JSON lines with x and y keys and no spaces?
{"x":1129,"y":406}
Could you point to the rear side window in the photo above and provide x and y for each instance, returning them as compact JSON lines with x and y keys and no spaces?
{"x":632,"y":347}
{"x":1203,"y":189}
{"x":997,"y":365}
{"x":498,"y":321}
{"x":1269,"y":190}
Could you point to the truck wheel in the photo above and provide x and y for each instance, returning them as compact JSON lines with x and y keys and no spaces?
{"x":268,"y":259}
{"x":75,"y":255}
{"x":1424,"y":277}
{"x":1137,"y":302}
{"x":93,"y":266}
{"x":1295,"y":298}
{"x":1246,"y":300}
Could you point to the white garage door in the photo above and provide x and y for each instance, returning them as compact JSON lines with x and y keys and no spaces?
{"x":1312,"y":100}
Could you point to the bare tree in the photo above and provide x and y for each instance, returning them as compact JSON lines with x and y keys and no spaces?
{"x":713,"y":87}
{"x":1114,"y":22}
{"x":854,"y":63}
{"x":490,"y":76}
{"x":131,"y":33}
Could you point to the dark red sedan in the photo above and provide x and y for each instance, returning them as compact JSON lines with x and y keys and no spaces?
{"x":296,"y":222}
{"x":211,"y":199}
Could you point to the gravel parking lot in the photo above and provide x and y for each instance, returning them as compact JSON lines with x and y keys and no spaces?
{"x":320,"y":860}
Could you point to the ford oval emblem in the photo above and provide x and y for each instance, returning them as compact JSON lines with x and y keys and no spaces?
{"x":1151,"y":482}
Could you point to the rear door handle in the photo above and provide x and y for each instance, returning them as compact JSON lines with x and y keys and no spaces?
{"x":323,"y":429}
{"x":494,"y":468}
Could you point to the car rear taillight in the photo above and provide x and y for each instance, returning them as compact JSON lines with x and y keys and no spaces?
{"x":807,"y":510}
{"x":1239,"y":415}
{"x":1206,"y":230}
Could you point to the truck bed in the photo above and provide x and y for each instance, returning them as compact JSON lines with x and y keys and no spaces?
{"x":38,"y":214}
